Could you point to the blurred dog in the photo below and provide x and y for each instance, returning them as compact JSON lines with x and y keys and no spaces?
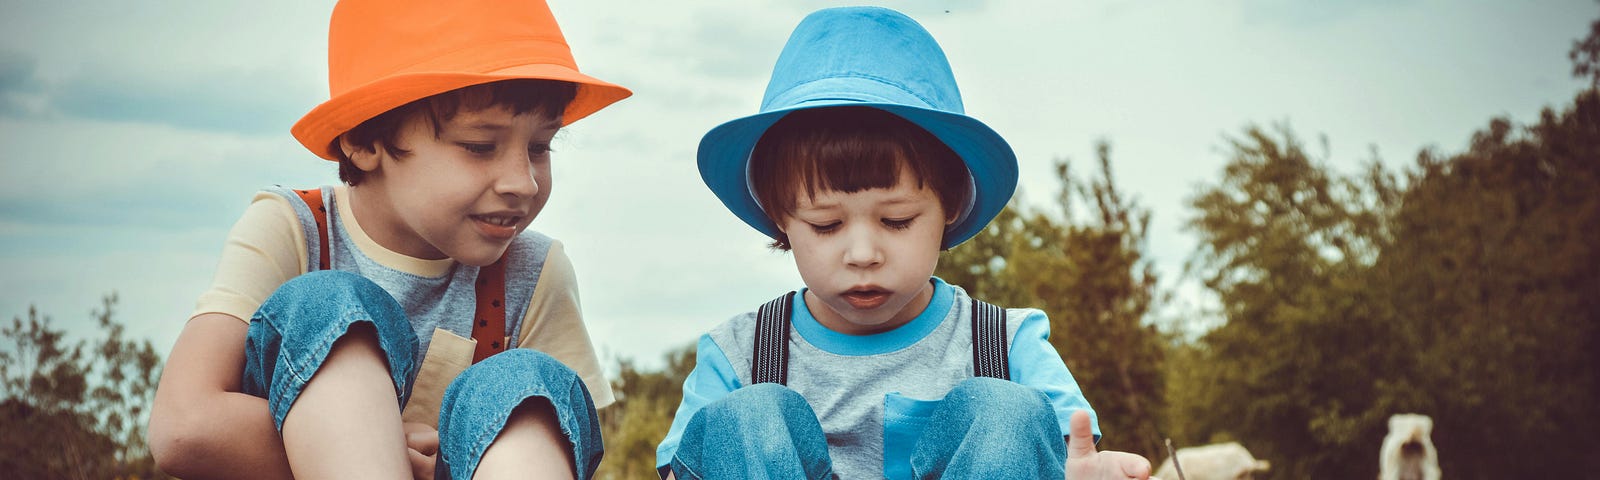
{"x":1407,"y":452}
{"x":1219,"y":461}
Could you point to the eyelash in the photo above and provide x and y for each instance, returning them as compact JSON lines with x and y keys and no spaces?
{"x":535,"y":150}
{"x":892,"y":224}
{"x":898,"y":224}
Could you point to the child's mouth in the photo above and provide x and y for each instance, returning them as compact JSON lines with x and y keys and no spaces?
{"x":501,"y":227}
{"x":866,"y":299}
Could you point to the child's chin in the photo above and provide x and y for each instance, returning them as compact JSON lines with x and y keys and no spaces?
{"x":480,"y":258}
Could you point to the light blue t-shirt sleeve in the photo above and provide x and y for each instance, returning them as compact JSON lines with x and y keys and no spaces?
{"x":1035,"y":363}
{"x":713,"y":377}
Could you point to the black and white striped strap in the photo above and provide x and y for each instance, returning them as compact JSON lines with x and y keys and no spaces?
{"x":989,"y":357}
{"x":769,"y":363}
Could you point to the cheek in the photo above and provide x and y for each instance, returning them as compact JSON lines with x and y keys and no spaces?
{"x":807,"y":259}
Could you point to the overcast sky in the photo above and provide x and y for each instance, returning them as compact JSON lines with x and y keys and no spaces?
{"x":133,"y":134}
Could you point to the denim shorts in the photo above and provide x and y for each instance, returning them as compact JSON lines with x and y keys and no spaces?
{"x":985,"y":428}
{"x":292,"y":333}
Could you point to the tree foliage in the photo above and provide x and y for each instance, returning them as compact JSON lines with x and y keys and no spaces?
{"x":1087,"y":270}
{"x":1585,"y":55}
{"x":1495,"y":275}
{"x":75,"y":409}
{"x":1287,"y":247}
{"x":1470,"y":294}
{"x":636,"y":423}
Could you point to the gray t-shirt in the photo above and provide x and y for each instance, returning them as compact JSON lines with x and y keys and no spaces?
{"x":874,"y":393}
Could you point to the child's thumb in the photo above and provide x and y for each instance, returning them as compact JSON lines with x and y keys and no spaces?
{"x":1080,"y":440}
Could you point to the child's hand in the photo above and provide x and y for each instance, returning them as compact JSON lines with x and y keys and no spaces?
{"x":1083,"y":463}
{"x":422,"y":442}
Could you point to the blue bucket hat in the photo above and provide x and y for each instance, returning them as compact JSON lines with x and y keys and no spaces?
{"x":865,"y":57}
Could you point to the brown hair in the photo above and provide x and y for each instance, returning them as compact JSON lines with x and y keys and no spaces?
{"x":850,"y":149}
{"x":520,"y":95}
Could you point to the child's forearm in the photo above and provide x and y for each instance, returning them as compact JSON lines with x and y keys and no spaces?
{"x":231,"y":437}
{"x":200,"y":427}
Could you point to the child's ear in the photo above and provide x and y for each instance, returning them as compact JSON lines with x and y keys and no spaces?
{"x":364,"y":157}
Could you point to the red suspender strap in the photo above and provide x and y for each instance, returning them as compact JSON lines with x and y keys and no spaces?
{"x":489,"y":325}
{"x":313,"y":199}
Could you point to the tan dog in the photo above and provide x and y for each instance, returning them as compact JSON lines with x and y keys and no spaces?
{"x":1220,"y":461}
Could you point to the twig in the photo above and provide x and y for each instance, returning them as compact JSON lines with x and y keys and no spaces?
{"x":1174,"y":456}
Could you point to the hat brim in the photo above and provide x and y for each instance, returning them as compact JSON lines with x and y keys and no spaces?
{"x":318,"y":128}
{"x":724,"y":156}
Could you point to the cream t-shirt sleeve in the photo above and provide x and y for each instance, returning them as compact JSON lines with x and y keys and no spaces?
{"x":554,"y":325}
{"x":264,"y":249}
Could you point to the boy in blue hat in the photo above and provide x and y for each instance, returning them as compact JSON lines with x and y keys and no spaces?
{"x":863,"y":164}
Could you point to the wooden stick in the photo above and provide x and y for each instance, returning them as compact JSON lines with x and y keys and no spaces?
{"x":1174,"y":455}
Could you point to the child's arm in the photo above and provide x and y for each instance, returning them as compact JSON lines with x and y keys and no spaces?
{"x":1035,"y":363}
{"x":554,"y":325}
{"x":200,"y":425}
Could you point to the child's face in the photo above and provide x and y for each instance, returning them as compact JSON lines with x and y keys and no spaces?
{"x":463,"y":193}
{"x":866,"y":257}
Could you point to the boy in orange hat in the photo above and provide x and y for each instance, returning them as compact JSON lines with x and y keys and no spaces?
{"x":404,"y":324}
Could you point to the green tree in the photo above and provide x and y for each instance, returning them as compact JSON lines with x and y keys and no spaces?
{"x":1494,"y":274}
{"x":1585,"y":55}
{"x":75,"y":410}
{"x":646,"y":402}
{"x":1087,"y":270}
{"x":1287,"y":247}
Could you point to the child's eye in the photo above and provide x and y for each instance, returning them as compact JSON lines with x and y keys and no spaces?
{"x":477,"y":148}
{"x":898,"y":224}
{"x":824,"y":229}
{"x":539,"y":149}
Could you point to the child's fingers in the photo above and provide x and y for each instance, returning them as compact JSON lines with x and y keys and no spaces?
{"x":1080,"y":439}
{"x":422,"y":438}
{"x":1134,"y":466}
{"x":421,"y":464}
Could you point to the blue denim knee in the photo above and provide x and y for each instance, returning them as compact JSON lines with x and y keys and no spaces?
{"x":293,"y":331}
{"x":990,"y":428}
{"x":478,"y":403}
{"x":757,"y":432}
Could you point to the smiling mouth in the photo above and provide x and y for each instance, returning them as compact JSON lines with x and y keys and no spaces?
{"x":499,"y":227}
{"x":498,"y":220}
{"x":866,"y":298}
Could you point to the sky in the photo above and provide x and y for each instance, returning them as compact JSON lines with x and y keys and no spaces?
{"x":133,"y":134}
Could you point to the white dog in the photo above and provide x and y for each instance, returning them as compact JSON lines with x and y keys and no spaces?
{"x":1407,"y":452}
{"x":1219,"y":461}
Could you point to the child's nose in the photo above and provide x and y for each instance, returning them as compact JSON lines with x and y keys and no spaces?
{"x":518,"y":177}
{"x":863,"y":249}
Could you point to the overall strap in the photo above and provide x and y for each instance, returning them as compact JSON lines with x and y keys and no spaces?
{"x":489,"y":325}
{"x":313,"y":199}
{"x":769,"y":363}
{"x":989,"y":357}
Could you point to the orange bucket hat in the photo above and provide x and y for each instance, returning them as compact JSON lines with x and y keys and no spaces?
{"x":386,"y":53}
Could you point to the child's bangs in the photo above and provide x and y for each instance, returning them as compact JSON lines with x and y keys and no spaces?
{"x":848,"y":149}
{"x":847,"y":164}
{"x":522,"y":96}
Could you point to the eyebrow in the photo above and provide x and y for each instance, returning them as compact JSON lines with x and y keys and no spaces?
{"x":496,"y":127}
